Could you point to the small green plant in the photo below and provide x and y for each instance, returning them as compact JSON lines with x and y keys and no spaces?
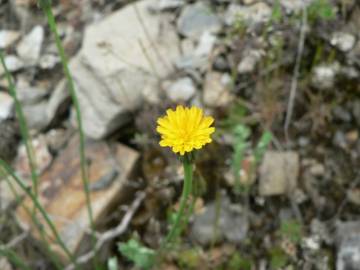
{"x":292,"y":230}
{"x":238,"y":262}
{"x":189,"y":259}
{"x":320,"y":9}
{"x":276,"y":14}
{"x":142,"y":256}
{"x":241,"y":145}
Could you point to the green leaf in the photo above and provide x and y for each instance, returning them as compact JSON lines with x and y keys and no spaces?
{"x":262,"y":146}
{"x":140,"y":255}
{"x":276,"y":14}
{"x":238,"y":262}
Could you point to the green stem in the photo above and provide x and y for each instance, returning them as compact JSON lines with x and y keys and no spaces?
{"x":176,"y":229}
{"x":14,"y":258}
{"x":31,"y":214}
{"x":23,"y":126}
{"x":37,"y":204}
{"x":46,"y":6}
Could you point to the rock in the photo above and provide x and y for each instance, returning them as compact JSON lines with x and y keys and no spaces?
{"x":343,"y":41}
{"x":341,"y":113}
{"x":294,"y":6}
{"x":233,"y":223}
{"x":249,"y":61}
{"x":29,"y":94}
{"x":56,"y":139}
{"x":42,"y":158}
{"x":165,"y":5}
{"x":8,"y":38}
{"x":6,"y":106}
{"x":348,"y":245}
{"x":181,"y":90}
{"x":279,"y":172}
{"x":61,"y":191}
{"x":29,"y":48}
{"x":221,"y":63}
{"x":324,"y":76}
{"x":197,"y":18}
{"x":216,"y":92}
{"x":206,"y":44}
{"x":59,"y":101}
{"x":35,"y":115}
{"x":12,"y":63}
{"x":48,"y":61}
{"x":353,"y":195}
{"x":115,"y":64}
{"x":250,"y":15}
{"x":4,"y":264}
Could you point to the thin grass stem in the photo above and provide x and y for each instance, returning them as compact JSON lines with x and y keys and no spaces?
{"x":37,"y":204}
{"x":14,"y":258}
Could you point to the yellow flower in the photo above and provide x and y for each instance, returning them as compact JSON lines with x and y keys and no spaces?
{"x":185,"y":129}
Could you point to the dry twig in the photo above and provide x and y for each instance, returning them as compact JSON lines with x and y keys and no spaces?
{"x":113,"y":233}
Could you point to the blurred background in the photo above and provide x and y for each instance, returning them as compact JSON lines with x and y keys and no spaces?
{"x":279,"y":186}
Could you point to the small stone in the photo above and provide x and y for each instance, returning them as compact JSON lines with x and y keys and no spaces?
{"x":221,"y":64}
{"x":216,"y":92}
{"x":197,"y":18}
{"x":6,"y":106}
{"x":248,"y":63}
{"x":48,"y":61}
{"x":324,"y":76}
{"x":278,"y":173}
{"x":250,"y":15}
{"x":165,"y":5}
{"x":35,"y":115}
{"x":233,"y":224}
{"x":353,"y":196}
{"x":342,"y":114}
{"x":8,"y":38}
{"x":348,"y":245}
{"x":29,"y":48}
{"x":294,"y":6}
{"x":29,"y":94}
{"x":181,"y":90}
{"x":343,"y":41}
{"x":317,"y":169}
{"x":59,"y":101}
{"x":352,"y":136}
{"x":41,"y":153}
{"x":12,"y":63}
{"x":206,"y":44}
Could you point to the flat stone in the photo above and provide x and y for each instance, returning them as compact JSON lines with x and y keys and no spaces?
{"x":28,"y":94}
{"x":279,"y":172}
{"x":206,"y":44}
{"x":29,"y":48}
{"x":49,"y":61}
{"x":8,"y":38}
{"x":6,"y":105}
{"x":233,"y":224}
{"x":114,"y":64}
{"x":62,"y":195}
{"x":197,"y":18}
{"x":216,"y":92}
{"x":12,"y":63}
{"x":181,"y":90}
{"x":250,"y":15}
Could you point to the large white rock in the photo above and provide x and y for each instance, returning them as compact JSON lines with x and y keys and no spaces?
{"x":120,"y":56}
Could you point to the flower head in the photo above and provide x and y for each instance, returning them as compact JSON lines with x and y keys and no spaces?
{"x":185,"y":129}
